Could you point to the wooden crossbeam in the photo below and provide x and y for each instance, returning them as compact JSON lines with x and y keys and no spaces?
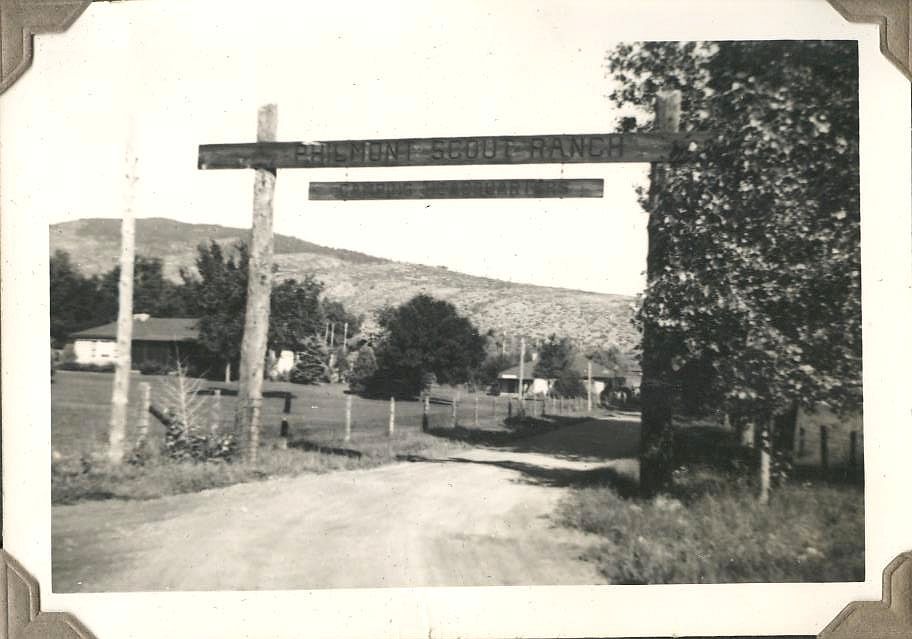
{"x":449,"y":151}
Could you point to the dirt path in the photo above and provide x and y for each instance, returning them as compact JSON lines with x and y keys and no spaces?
{"x":485,"y":518}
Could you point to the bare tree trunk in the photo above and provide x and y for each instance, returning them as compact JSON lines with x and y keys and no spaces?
{"x":259,"y":287}
{"x":121,"y":392}
{"x":657,"y":441}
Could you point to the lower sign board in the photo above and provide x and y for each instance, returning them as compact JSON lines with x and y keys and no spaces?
{"x":455,"y":189}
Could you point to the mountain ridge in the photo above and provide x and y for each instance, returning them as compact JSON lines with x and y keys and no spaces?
{"x":366,"y":283}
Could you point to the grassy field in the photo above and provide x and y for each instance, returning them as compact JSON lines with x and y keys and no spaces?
{"x":80,"y":412}
{"x":316,"y":444}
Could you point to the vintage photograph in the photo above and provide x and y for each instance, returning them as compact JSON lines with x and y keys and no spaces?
{"x":439,"y":315}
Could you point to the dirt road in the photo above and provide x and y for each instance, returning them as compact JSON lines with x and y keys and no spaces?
{"x":485,"y":518}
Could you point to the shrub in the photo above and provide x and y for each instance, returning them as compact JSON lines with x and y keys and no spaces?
{"x":186,"y":436}
{"x":711,"y":529}
{"x":153,"y":368}
{"x":363,"y":368}
{"x":311,"y":365}
{"x":568,"y":384}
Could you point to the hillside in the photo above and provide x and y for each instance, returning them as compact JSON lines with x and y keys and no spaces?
{"x":94,"y":243}
{"x":365,"y":283}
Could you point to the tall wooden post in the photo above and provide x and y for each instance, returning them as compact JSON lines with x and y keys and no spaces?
{"x":122,"y":364}
{"x":656,"y":446}
{"x":589,"y":386}
{"x":348,"y":418}
{"x":425,"y":414}
{"x":215,"y":411}
{"x":455,"y":418}
{"x":522,"y":368}
{"x":259,"y":288}
{"x":392,"y":421}
{"x":345,"y":337}
{"x":332,"y":335}
{"x":145,"y":395}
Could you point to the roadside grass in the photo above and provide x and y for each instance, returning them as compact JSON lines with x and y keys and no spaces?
{"x":80,"y":471}
{"x":710,"y":528}
{"x":87,"y":478}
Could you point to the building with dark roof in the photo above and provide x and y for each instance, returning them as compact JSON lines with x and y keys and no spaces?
{"x":157,"y":341}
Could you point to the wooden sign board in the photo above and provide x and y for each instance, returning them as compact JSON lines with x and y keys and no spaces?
{"x":513,"y":149}
{"x":455,"y":189}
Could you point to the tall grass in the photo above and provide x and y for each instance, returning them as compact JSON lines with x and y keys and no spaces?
{"x":711,"y":529}
{"x":91,"y":477}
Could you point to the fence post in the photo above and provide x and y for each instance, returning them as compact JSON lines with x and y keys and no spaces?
{"x":392,"y":422}
{"x":509,"y":407}
{"x":145,"y":391}
{"x":348,"y":418}
{"x":425,"y":416}
{"x":824,"y":448}
{"x":455,"y":399}
{"x":283,"y":434}
{"x":215,"y":411}
{"x":287,"y":408}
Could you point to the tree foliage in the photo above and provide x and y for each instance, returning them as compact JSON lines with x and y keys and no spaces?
{"x":760,"y":290}
{"x":338,"y":316}
{"x":556,"y":355}
{"x":219,"y":287}
{"x":423,"y":336}
{"x":311,"y":366}
{"x":362,"y":370}
{"x":295,"y":313}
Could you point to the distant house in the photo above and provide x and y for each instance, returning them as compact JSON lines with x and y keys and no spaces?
{"x":156,"y":341}
{"x":508,"y":381}
{"x":627,"y":375}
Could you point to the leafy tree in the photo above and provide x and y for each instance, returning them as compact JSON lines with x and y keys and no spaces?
{"x":755,"y":239}
{"x":362,"y":370}
{"x":337,"y":315}
{"x":422,"y":336}
{"x":496,"y":362}
{"x":610,"y":357}
{"x":295,"y":313}
{"x":73,"y":299}
{"x":220,"y":291}
{"x":568,"y":384}
{"x":555,"y":357}
{"x":152,"y":292}
{"x":311,"y":365}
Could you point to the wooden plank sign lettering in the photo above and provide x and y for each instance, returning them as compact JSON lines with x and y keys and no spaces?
{"x":455,"y":189}
{"x":513,"y":149}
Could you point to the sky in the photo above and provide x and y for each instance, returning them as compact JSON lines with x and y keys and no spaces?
{"x":150,"y":83}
